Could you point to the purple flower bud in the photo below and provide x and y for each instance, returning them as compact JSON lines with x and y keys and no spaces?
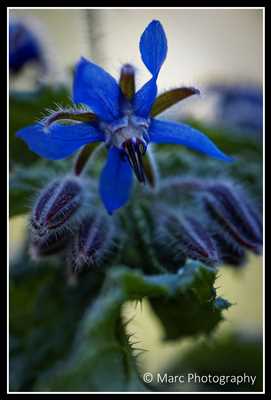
{"x":49,"y":245}
{"x":206,"y":241}
{"x":184,"y":238}
{"x":55,"y":215}
{"x":93,"y":242}
{"x":230,"y":253}
{"x":233,"y":215}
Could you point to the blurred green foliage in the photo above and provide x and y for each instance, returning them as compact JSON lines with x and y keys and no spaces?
{"x":233,"y":354}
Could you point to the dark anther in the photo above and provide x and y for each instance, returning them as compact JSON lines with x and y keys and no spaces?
{"x":134,"y":152}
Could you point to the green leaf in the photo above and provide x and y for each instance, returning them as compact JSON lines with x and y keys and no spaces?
{"x":194,"y":309}
{"x":101,"y":358}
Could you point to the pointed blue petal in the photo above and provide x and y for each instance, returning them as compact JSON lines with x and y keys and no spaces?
{"x":115,"y":181}
{"x":144,"y":98}
{"x":97,"y":89}
{"x":59,"y":141}
{"x":153,"y":47}
{"x":176,"y":133}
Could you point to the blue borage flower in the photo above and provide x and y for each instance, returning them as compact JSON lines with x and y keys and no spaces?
{"x":120,"y":117}
{"x":24,"y":46}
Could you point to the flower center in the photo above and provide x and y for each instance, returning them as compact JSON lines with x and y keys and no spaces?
{"x":130,"y":134}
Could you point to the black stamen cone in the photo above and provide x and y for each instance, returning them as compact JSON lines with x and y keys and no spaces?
{"x":135,"y":159}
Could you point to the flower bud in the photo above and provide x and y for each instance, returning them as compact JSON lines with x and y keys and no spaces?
{"x":230,"y":253}
{"x":93,"y":242}
{"x":55,"y":215}
{"x":184,"y":238}
{"x":234,"y":215}
{"x":50,"y":245}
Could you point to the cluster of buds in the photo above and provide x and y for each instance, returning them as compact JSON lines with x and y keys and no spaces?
{"x":226,"y":227}
{"x":61,"y":223}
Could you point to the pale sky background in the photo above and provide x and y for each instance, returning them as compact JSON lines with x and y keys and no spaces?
{"x":204,"y":45}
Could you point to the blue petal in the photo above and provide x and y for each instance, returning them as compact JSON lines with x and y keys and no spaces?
{"x":176,"y":133}
{"x":115,"y":181}
{"x":58,"y":141}
{"x":145,"y":98}
{"x":97,"y":89}
{"x":153,"y":47}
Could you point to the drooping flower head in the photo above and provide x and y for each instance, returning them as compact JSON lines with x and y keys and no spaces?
{"x":120,"y":117}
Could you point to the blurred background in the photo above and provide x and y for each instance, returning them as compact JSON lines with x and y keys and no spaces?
{"x":204,"y":45}
{"x":218,"y":51}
